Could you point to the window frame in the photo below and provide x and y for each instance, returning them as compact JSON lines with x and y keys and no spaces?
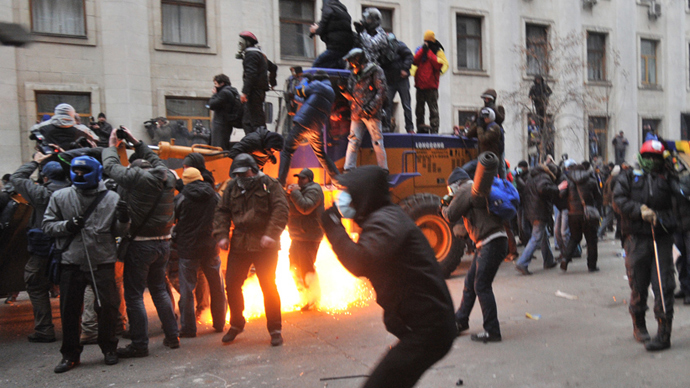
{"x":183,"y":3}
{"x":58,"y":35}
{"x":544,"y":71}
{"x":188,"y":119}
{"x":602,"y":52}
{"x":39,"y":114}
{"x":644,"y":77}
{"x":479,"y":18}
{"x":605,"y":131}
{"x":306,"y":23}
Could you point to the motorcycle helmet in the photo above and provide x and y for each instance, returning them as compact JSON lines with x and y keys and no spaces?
{"x":92,"y":172}
{"x":356,"y":59}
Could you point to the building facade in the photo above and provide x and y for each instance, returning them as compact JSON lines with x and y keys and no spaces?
{"x":613,"y":65}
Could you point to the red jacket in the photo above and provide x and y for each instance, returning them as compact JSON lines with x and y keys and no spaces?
{"x":428,"y":70}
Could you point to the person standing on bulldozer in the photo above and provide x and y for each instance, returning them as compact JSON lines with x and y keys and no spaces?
{"x":309,"y":123}
{"x":366,"y":90}
{"x":259,"y":76}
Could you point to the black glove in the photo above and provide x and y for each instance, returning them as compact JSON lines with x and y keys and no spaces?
{"x":359,"y":27}
{"x":75,"y":224}
{"x":121,"y":211}
{"x":331,"y":217}
{"x":368,"y":110}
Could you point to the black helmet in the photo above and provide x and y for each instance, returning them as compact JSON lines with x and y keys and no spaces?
{"x":242,"y":163}
{"x":356,"y":59}
{"x":372,"y":18}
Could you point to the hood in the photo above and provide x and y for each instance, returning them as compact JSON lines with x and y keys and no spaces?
{"x":271,"y":140}
{"x":579,"y":176}
{"x":195,"y":160}
{"x":57,"y":185}
{"x":198,"y":191}
{"x":368,"y":187}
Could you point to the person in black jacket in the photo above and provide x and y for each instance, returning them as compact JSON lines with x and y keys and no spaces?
{"x":256,"y":81}
{"x":227,"y":113}
{"x":398,"y":80}
{"x":194,"y":210}
{"x":261,"y":144}
{"x":334,"y":30}
{"x":540,"y":192}
{"x":644,"y":200}
{"x":539,"y":93}
{"x":521,"y":176}
{"x":61,"y":130}
{"x":396,"y":257}
{"x":580,"y":187}
{"x":37,"y":284}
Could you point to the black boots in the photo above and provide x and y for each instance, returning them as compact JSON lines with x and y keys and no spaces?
{"x":640,"y":328}
{"x":663,"y":337}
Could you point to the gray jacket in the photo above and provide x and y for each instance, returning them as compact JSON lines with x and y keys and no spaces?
{"x":100,"y":229}
{"x":37,"y":195}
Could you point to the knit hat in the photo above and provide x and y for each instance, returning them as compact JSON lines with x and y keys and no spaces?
{"x":54,"y":171}
{"x":429,"y":36}
{"x":616,"y":170}
{"x":190,"y":175}
{"x":195,"y":160}
{"x":457,"y":175}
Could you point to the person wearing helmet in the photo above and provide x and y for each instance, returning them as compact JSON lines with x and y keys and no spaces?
{"x":490,"y":137}
{"x":259,"y":75}
{"x":396,"y":257}
{"x":643,"y":198}
{"x":429,"y":64}
{"x":88,"y":246}
{"x":148,"y":188}
{"x":37,"y":284}
{"x":365,"y":89}
{"x":371,"y":37}
{"x":256,"y":205}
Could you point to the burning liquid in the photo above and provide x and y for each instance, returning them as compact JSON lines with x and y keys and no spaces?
{"x":340,"y":290}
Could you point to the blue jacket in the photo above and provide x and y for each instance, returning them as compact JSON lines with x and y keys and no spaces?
{"x":316,"y":109}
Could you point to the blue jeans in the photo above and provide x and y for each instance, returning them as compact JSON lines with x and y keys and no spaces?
{"x":330,"y":59}
{"x":188,"y":276}
{"x":478,"y":282}
{"x":561,"y":229}
{"x":145,"y":264}
{"x":355,"y":140}
{"x":539,"y":236}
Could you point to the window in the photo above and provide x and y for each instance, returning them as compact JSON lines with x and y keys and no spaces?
{"x":685,"y":126}
{"x":596,"y":56}
{"x":598,"y":136}
{"x":188,"y":110}
{"x":184,"y":22}
{"x":64,"y":17}
{"x":648,"y":61}
{"x":537,"y":50}
{"x":47,"y":101}
{"x":295,"y":18}
{"x":469,"y":35}
{"x":465,"y":116}
{"x":386,"y":17}
{"x":650,"y":125}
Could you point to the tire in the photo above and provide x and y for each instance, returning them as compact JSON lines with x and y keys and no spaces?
{"x":423,"y":209}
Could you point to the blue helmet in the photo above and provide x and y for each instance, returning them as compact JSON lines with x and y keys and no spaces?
{"x":93,"y":174}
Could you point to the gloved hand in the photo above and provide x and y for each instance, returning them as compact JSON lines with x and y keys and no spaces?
{"x":359,"y":27}
{"x":648,"y":214}
{"x":331,"y":217}
{"x":368,"y":110}
{"x":75,"y":224}
{"x":121,"y":211}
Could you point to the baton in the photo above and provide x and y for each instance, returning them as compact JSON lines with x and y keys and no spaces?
{"x":93,"y":278}
{"x":658,"y":272}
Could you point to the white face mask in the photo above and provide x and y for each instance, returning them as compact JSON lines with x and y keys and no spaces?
{"x":344,"y":201}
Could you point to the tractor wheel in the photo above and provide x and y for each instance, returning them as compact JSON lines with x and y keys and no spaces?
{"x":423,"y":209}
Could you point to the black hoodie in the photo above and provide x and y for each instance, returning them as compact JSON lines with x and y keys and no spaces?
{"x":393,"y":253}
{"x":193,"y":233}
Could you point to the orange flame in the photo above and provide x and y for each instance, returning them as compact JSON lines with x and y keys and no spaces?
{"x":340,"y":290}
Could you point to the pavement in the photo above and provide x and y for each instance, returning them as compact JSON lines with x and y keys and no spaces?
{"x":581,"y":340}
